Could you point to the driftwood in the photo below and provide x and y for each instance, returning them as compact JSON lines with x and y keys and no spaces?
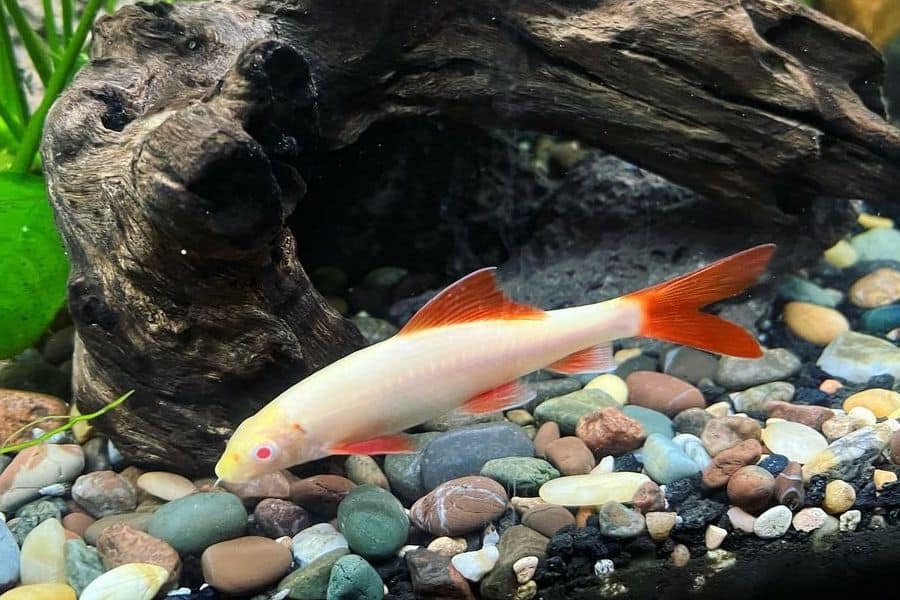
{"x":172,"y":159}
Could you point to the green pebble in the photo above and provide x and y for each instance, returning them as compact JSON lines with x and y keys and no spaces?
{"x":83,"y":564}
{"x":798,"y":289}
{"x":877,"y":244}
{"x":881,"y":319}
{"x":651,"y":420}
{"x":521,"y":475}
{"x":566,"y":410}
{"x":373,"y":521}
{"x":352,"y":578}
{"x":33,"y":514}
{"x":311,"y":582}
{"x":193,"y":523}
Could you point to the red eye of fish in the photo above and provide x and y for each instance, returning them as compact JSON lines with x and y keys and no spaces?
{"x":264,"y":452}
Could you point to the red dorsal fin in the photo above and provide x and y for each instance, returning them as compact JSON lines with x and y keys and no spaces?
{"x":388,"y":444}
{"x":596,"y":359}
{"x":509,"y":395}
{"x":475,"y":297}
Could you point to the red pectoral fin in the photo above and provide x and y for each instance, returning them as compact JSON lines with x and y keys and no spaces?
{"x":597,"y":359}
{"x":509,"y":395}
{"x":389,"y":444}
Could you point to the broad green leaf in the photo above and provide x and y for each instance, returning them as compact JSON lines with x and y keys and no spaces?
{"x":33,"y":265}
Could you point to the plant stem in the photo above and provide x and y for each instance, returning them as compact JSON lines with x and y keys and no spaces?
{"x":37,"y":50}
{"x":50,"y":26}
{"x":67,"y":18}
{"x":15,"y":128}
{"x":31,"y":139}
{"x":12,"y":79}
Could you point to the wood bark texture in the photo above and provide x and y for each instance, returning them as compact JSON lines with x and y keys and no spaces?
{"x":172,"y":159}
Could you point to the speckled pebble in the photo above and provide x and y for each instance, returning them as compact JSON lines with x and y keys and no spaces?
{"x":773,"y":523}
{"x":809,"y":519}
{"x":660,"y":524}
{"x":839,"y":497}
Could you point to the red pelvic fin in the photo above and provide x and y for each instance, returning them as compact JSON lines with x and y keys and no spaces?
{"x":509,"y":395}
{"x":388,"y":444}
{"x":596,"y":359}
{"x":475,"y":297}
{"x":670,"y":310}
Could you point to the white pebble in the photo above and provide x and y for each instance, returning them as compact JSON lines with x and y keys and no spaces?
{"x":491,"y":536}
{"x":524,"y":568}
{"x":133,"y":581}
{"x":849,"y":521}
{"x":863,"y":414}
{"x":714,"y":537}
{"x":809,"y":519}
{"x":606,"y":465}
{"x":408,"y":548}
{"x":55,"y":489}
{"x":604,"y":567}
{"x":773,"y":523}
{"x":741,"y":520}
{"x":475,"y":565}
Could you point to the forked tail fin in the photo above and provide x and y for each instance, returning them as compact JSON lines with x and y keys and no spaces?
{"x":670,"y":310}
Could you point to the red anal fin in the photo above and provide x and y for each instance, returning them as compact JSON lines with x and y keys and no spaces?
{"x":509,"y":395}
{"x":475,"y":297}
{"x":670,"y":310}
{"x":388,"y":444}
{"x":596,"y":359}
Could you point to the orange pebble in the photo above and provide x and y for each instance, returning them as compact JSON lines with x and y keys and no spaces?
{"x":582,"y":515}
{"x":830,"y":386}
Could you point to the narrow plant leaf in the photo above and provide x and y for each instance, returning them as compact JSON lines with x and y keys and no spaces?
{"x":67,"y":19}
{"x":12,"y":91}
{"x":50,"y":26}
{"x":36,"y":47}
{"x":33,"y":265}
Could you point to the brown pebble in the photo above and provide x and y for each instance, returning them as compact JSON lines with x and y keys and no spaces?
{"x":751,"y":488}
{"x":789,"y":489}
{"x":434,"y":577}
{"x":728,"y":461}
{"x":661,"y":392}
{"x":582,"y":515}
{"x":570,"y":455}
{"x":78,"y":522}
{"x":271,"y":485}
{"x":120,"y":544}
{"x":244,"y":565}
{"x":809,"y":415}
{"x":321,"y":494}
{"x":726,"y":432}
{"x":547,"y":433}
{"x":459,"y":506}
{"x":19,"y":408}
{"x":895,"y":447}
{"x":547,"y":519}
{"x":609,"y":431}
{"x":648,"y":498}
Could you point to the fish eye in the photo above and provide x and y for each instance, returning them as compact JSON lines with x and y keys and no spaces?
{"x":265,"y":452}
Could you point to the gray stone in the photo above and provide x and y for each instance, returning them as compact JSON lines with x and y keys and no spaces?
{"x":567,"y":410}
{"x":463,"y":452}
{"x":96,"y":455}
{"x":754,"y":399}
{"x":352,"y":578}
{"x":857,"y":357}
{"x":692,"y":420}
{"x":33,"y":514}
{"x":30,"y":372}
{"x":619,"y":522}
{"x":9,"y":558}
{"x":845,"y":457}
{"x":551,"y":388}
{"x":638,"y":363}
{"x":459,"y":419}
{"x":83,"y":564}
{"x":521,"y":475}
{"x":372,"y":329}
{"x":404,"y":471}
{"x":193,"y":523}
{"x":516,"y":542}
{"x":689,"y":364}
{"x":740,"y":373}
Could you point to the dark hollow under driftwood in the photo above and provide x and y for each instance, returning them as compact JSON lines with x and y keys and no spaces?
{"x":172,"y":159}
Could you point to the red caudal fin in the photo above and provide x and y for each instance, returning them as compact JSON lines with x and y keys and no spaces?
{"x":670,"y":310}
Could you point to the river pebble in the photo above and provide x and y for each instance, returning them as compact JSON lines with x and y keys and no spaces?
{"x":841,"y":255}
{"x":881,"y":402}
{"x":609,"y":431}
{"x":877,"y":244}
{"x":36,"y":467}
{"x":193,"y":523}
{"x":857,"y":357}
{"x":809,"y":519}
{"x":741,"y":373}
{"x":566,"y":410}
{"x":459,"y":506}
{"x":517,"y":542}
{"x":664,"y":393}
{"x":756,"y":398}
{"x":773,"y":523}
{"x":796,"y":441}
{"x":135,"y":581}
{"x":315,"y":541}
{"x":311,"y":581}
{"x":476,"y":564}
{"x":815,"y":324}
{"x":651,"y":421}
{"x":9,"y":558}
{"x":725,"y":463}
{"x":844,"y":458}
{"x":570,"y":455}
{"x":690,"y":365}
{"x":726,"y":432}
{"x":352,"y":578}
{"x":40,"y":591}
{"x":104,"y":493}
{"x":547,"y":519}
{"x":879,"y":288}
{"x":42,"y":558}
{"x":791,"y":287}
{"x":245,"y":564}
{"x":166,"y":486}
{"x":588,"y":490}
{"x":839,"y":497}
{"x":20,"y":407}
{"x":373,"y":521}
{"x":83,"y":564}
{"x":432,"y":576}
{"x":660,"y":524}
{"x":617,"y":521}
{"x":120,"y":544}
{"x":665,"y":462}
{"x":751,"y":488}
{"x":520,"y":475}
{"x":612,"y":384}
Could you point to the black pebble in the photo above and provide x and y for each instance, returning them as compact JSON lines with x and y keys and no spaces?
{"x":627,"y":463}
{"x":865,"y":497}
{"x":571,"y":541}
{"x":698,"y":513}
{"x":810,"y":376}
{"x":890,"y":495}
{"x":884,"y":381}
{"x":711,"y":392}
{"x":815,"y":490}
{"x":815,"y":396}
{"x":774,"y":463}
{"x":680,"y":490}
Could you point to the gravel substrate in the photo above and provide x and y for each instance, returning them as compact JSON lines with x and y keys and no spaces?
{"x":679,"y":473}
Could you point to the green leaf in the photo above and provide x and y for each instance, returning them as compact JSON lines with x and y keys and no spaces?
{"x":33,"y":265}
